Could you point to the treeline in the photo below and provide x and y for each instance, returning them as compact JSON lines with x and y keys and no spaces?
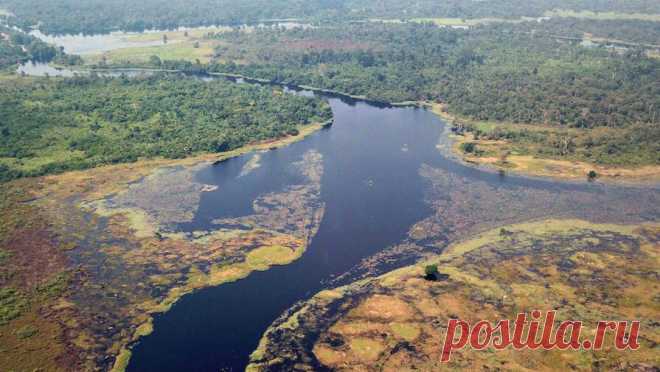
{"x":18,"y":47}
{"x":633,"y":145}
{"x":491,"y":8}
{"x":498,"y":72}
{"x":626,"y":31}
{"x":51,"y":125}
{"x":102,"y":16}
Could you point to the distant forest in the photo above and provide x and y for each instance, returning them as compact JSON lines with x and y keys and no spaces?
{"x":101,"y":16}
{"x":516,"y":73}
{"x":512,"y":72}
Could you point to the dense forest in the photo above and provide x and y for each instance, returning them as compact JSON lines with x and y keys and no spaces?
{"x":100,"y":16}
{"x":517,"y":73}
{"x":490,"y":8}
{"x":499,"y":72}
{"x":53,"y":125}
{"x":623,"y":31}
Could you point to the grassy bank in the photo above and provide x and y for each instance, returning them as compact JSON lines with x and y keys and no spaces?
{"x":398,"y":320}
{"x":193,"y":45}
{"x":524,"y":157}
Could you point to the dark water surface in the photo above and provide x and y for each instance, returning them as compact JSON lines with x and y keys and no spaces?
{"x":373,"y":193}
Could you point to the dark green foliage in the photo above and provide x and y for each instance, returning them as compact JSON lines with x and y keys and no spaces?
{"x":491,"y":73}
{"x":26,"y":331}
{"x":95,"y":16}
{"x":431,"y":272}
{"x":58,"y":125}
{"x":12,"y":303}
{"x":469,"y":147}
{"x":17,"y":47}
{"x":514,"y":73}
{"x":101,"y":16}
{"x":399,"y":9}
{"x":592,"y":175}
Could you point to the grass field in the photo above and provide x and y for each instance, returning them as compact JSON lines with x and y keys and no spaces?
{"x":176,"y":36}
{"x":395,"y":321}
{"x":171,"y":51}
{"x":461,"y":22}
{"x":603,"y":15}
{"x":180,"y":46}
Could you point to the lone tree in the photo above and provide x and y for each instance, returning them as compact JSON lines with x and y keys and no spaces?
{"x":592,"y":175}
{"x":469,"y":148}
{"x":431,"y":272}
{"x":155,"y":61}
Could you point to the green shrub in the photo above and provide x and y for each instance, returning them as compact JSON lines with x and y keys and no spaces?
{"x":431,"y":272}
{"x":12,"y":304}
{"x":469,"y":147}
{"x":26,"y":331}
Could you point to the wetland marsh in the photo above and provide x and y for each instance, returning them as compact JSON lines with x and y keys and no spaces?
{"x":185,"y":265}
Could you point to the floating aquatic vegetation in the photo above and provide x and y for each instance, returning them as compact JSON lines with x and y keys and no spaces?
{"x":114,"y":226}
{"x":465,"y":206}
{"x":297,"y":210}
{"x":251,"y":165}
{"x":169,"y":196}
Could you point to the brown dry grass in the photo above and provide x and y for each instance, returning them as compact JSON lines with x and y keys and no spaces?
{"x":398,"y":322}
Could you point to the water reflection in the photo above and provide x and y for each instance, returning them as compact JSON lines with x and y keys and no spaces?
{"x":82,"y":44}
{"x":43,"y":69}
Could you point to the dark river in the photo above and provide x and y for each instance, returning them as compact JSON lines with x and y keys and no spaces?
{"x":374,"y":193}
{"x":374,"y":187}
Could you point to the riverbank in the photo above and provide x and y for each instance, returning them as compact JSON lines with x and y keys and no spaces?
{"x":398,"y":320}
{"x":497,"y":156}
{"x":520,"y":164}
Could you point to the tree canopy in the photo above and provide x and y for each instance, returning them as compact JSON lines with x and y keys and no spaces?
{"x":101,"y":16}
{"x":52,"y":125}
